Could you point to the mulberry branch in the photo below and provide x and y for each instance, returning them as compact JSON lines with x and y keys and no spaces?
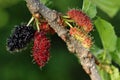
{"x":84,"y":55}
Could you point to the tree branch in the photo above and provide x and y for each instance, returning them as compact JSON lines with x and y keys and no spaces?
{"x":84,"y":55}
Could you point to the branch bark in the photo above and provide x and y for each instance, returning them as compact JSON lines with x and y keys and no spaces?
{"x":84,"y":55}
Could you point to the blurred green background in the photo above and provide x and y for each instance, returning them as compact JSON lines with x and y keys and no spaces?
{"x":62,"y":64}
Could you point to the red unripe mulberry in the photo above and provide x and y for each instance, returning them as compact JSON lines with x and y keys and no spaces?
{"x":44,"y":26}
{"x":41,"y":48}
{"x":77,"y":33}
{"x":84,"y":38}
{"x":81,"y":19}
{"x":87,"y":43}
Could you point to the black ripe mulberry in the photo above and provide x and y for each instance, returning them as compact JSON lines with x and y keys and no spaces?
{"x":20,"y":37}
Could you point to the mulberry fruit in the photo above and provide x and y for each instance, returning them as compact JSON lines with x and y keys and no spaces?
{"x":81,"y":19}
{"x":46,"y":27}
{"x":77,"y":33}
{"x":41,"y":48}
{"x":84,"y":38}
{"x":87,"y":43}
{"x":20,"y":37}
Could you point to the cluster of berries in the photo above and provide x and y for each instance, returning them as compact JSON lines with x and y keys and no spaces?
{"x":22,"y":35}
{"x":81,"y":27}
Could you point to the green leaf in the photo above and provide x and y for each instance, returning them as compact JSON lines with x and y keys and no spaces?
{"x":116,"y":55}
{"x":104,"y":75}
{"x":96,"y":50}
{"x":46,"y":2}
{"x":118,"y":2}
{"x":110,"y":7}
{"x":118,"y":44}
{"x":89,"y":8}
{"x":115,"y":74}
{"x":107,"y":34}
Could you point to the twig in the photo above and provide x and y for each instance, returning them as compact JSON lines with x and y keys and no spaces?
{"x":84,"y":55}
